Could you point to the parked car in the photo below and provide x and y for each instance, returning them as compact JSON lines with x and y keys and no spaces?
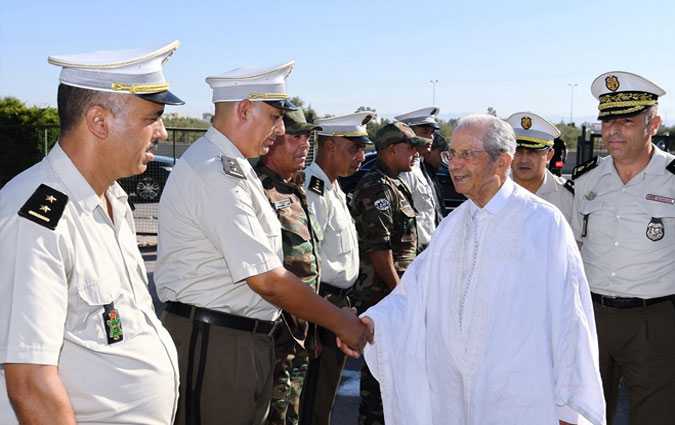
{"x":148,"y":187}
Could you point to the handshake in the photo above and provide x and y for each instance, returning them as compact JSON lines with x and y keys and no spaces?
{"x":353,"y":337}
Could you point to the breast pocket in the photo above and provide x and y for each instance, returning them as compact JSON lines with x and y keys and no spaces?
{"x":343,"y":235}
{"x":87,"y":304}
{"x":659,"y":221}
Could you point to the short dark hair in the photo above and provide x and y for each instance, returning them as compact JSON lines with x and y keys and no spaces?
{"x":73,"y":103}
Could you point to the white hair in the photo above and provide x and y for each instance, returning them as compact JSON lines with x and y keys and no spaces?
{"x":498,"y":136}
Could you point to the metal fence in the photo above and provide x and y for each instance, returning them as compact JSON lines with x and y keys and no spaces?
{"x":23,"y":146}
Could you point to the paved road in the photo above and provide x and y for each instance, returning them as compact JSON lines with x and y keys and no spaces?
{"x":347,"y":400}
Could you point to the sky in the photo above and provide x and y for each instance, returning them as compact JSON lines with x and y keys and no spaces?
{"x":513,"y":56}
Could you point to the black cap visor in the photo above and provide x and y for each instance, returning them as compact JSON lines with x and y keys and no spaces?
{"x":285,"y":104}
{"x":163,"y":97}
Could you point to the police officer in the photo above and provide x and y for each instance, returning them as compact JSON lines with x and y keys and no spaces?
{"x":341,"y":149}
{"x":624,"y":219}
{"x":425,"y":198}
{"x":387,"y":230}
{"x":80,"y":341}
{"x":534,"y":138}
{"x":280,"y":174}
{"x":219,"y":265}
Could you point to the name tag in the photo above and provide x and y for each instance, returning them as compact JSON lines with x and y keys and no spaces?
{"x":285,"y":203}
{"x":659,"y":198}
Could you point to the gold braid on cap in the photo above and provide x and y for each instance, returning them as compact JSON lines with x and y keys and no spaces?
{"x":356,"y":133}
{"x":267,"y":96}
{"x":140,"y":88}
{"x":535,"y":140}
{"x":626,"y":100}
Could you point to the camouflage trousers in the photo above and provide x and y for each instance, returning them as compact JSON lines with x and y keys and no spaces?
{"x":289,"y":375}
{"x":370,"y":407}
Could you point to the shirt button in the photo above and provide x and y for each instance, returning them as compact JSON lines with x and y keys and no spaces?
{"x":616,"y":243}
{"x":618,"y":217}
{"x":612,"y":274}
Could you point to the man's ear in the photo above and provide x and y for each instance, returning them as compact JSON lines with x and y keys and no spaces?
{"x":244,"y":109}
{"x":654,"y":125}
{"x":549,"y":154}
{"x":97,"y":119}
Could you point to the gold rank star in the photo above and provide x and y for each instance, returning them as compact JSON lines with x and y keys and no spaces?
{"x":45,"y":209}
{"x":51,"y":199}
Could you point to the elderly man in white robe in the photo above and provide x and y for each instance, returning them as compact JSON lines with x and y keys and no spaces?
{"x":492,"y":324}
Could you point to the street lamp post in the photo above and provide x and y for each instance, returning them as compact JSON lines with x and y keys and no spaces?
{"x":572,"y":86}
{"x":433,"y":91}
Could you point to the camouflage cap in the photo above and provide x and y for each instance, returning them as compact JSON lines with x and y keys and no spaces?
{"x":296,"y":123}
{"x":439,"y":142}
{"x":397,"y":132}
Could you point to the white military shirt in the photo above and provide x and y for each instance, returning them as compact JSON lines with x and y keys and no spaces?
{"x":216,"y":229}
{"x":554,"y":191}
{"x":338,"y":246}
{"x":628,"y":238}
{"x":424,"y":200}
{"x":53,"y":288}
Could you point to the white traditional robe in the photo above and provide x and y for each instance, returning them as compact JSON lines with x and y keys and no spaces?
{"x":526,"y":351}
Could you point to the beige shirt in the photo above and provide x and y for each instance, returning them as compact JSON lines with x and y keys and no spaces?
{"x":424,"y":201}
{"x":338,"y":246}
{"x":553,"y":190}
{"x":216,"y":229}
{"x":53,"y":288}
{"x":629,"y":242}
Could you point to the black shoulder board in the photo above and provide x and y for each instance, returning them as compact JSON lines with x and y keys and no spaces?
{"x":671,"y":167}
{"x":584,"y":168}
{"x":230,"y":167}
{"x":316,"y":185}
{"x":569,"y":185}
{"x":45,"y":206}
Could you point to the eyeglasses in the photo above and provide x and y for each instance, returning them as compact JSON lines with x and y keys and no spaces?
{"x":465,"y":155}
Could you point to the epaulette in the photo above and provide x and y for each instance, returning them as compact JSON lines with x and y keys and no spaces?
{"x":231,"y":168}
{"x":316,"y":185}
{"x":569,"y":185}
{"x":671,"y":167}
{"x":45,"y":206}
{"x":585,"y":167}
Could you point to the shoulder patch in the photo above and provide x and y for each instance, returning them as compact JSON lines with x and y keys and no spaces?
{"x":569,"y":185}
{"x":585,"y":167}
{"x":382,"y":204}
{"x":231,"y":168}
{"x":45,"y":206}
{"x":671,"y":167}
{"x":316,"y":185}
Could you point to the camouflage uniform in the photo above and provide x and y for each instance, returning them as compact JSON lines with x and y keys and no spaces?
{"x":385,"y":220}
{"x":294,"y":343}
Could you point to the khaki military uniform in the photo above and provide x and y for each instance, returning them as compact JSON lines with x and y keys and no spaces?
{"x":559,"y":192}
{"x":385,"y":220}
{"x":627,"y":237}
{"x":339,"y":253}
{"x":295,"y":342}
{"x":73,"y":294}
{"x":217,"y":229}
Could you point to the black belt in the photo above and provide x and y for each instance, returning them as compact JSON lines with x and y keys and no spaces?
{"x":218,"y":318}
{"x":328,"y":289}
{"x":620,"y":302}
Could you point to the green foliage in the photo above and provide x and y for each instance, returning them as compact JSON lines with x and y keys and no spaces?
{"x":27,"y":134}
{"x":570,"y":134}
{"x":174,"y":120}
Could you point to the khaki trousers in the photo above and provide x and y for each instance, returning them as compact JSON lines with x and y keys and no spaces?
{"x":225,"y":374}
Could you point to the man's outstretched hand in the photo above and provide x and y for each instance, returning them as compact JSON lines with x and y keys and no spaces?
{"x":368,"y":334}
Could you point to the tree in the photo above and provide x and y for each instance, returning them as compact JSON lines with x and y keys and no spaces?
{"x":569,"y":133}
{"x":27,"y":134}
